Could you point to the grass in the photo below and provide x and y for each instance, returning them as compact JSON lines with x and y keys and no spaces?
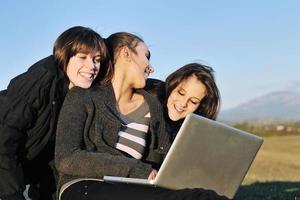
{"x":275,"y":173}
{"x":270,"y":191}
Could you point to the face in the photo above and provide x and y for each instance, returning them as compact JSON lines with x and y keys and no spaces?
{"x":141,"y":67}
{"x":82,"y":69}
{"x":185,"y":98}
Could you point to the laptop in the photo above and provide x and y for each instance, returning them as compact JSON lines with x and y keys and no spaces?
{"x":205,"y":154}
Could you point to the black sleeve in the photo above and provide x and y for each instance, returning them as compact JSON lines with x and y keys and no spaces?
{"x":153,"y":86}
{"x":157,"y":89}
{"x":19,"y":109}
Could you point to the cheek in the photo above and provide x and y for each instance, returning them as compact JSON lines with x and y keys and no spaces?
{"x":69,"y":71}
{"x":98,"y":67}
{"x":193,"y":108}
{"x":71,"y":67}
{"x":170,"y":99}
{"x":143,"y":63}
{"x":147,"y":62}
{"x":169,"y":103}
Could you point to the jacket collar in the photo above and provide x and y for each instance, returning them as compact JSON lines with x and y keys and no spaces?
{"x":62,"y":79}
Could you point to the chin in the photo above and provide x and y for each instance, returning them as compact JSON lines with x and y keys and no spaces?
{"x":173,"y":118}
{"x":85,"y":86}
{"x":140,"y":85}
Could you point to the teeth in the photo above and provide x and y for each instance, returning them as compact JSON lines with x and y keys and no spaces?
{"x":87,"y":75}
{"x":178,"y":109}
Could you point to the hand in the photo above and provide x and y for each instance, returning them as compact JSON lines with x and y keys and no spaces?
{"x":152,"y":175}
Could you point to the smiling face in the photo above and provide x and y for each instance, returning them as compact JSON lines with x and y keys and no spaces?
{"x":141,"y":67}
{"x":185,"y":98}
{"x":82,"y":69}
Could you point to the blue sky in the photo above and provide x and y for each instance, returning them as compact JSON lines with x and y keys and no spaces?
{"x":252,"y":45}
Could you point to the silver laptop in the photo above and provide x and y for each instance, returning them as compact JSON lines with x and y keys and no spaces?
{"x":205,"y":154}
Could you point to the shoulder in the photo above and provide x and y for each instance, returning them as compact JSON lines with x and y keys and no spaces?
{"x":153,"y":86}
{"x":78,"y":94}
{"x":87,"y":96}
{"x":77,"y":100}
{"x":38,"y":82}
{"x":148,"y":97}
{"x":155,"y":106}
{"x":150,"y":82}
{"x":47,"y":68}
{"x":105,"y":93}
{"x":44,"y":65}
{"x":40,"y":73}
{"x":156,"y":88}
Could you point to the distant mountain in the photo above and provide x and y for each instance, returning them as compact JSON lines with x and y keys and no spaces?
{"x":283,"y":105}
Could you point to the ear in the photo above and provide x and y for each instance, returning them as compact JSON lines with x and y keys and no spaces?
{"x":126,"y":53}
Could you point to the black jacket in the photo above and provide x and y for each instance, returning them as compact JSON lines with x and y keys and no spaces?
{"x":29,"y":109}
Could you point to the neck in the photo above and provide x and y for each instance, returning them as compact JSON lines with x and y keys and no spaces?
{"x":122,"y":89}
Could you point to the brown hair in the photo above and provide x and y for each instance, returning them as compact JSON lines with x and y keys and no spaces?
{"x":81,"y":39}
{"x":210,"y":104}
{"x":118,"y":40}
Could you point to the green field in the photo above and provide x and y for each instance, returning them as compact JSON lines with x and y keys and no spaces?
{"x":275,"y":172}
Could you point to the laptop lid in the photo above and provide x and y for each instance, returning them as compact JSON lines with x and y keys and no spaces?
{"x":208,"y":154}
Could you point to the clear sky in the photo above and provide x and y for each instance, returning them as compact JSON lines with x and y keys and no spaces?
{"x":253,"y":45}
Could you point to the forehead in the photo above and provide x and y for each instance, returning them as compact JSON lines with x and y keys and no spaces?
{"x":91,"y":53}
{"x":86,"y":48}
{"x":141,"y":46}
{"x":193,"y":87}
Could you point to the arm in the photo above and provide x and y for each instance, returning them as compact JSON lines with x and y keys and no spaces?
{"x":160,"y":140}
{"x":18,"y":113}
{"x":11,"y":173}
{"x":71,"y":154}
{"x":156,"y":88}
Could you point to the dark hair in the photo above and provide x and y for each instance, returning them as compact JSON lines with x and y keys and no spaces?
{"x":81,"y":39}
{"x":118,"y":40}
{"x":210,"y":104}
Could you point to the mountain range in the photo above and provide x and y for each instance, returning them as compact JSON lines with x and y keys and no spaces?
{"x":281,"y":105}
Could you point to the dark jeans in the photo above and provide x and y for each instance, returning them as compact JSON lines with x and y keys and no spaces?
{"x":95,"y":190}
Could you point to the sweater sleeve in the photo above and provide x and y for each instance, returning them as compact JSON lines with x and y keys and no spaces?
{"x":162,"y":138}
{"x":71,"y":155}
{"x":18,"y":107}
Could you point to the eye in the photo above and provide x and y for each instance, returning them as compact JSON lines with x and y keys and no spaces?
{"x":180,"y":92}
{"x":148,"y":55}
{"x":81,"y":56}
{"x":195,"y":102}
{"x":97,"y":59}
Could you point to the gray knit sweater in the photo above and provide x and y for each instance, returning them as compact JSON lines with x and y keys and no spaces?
{"x":87,"y":132}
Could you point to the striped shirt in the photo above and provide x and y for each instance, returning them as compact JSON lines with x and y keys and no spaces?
{"x":133,"y":135}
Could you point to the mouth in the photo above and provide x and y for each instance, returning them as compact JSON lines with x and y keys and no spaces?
{"x":178,"y":109}
{"x":87,"y":76}
{"x":146,"y":74}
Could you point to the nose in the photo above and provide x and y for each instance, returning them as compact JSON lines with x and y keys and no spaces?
{"x":91,"y":64}
{"x":150,"y":69}
{"x":184,"y":102}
